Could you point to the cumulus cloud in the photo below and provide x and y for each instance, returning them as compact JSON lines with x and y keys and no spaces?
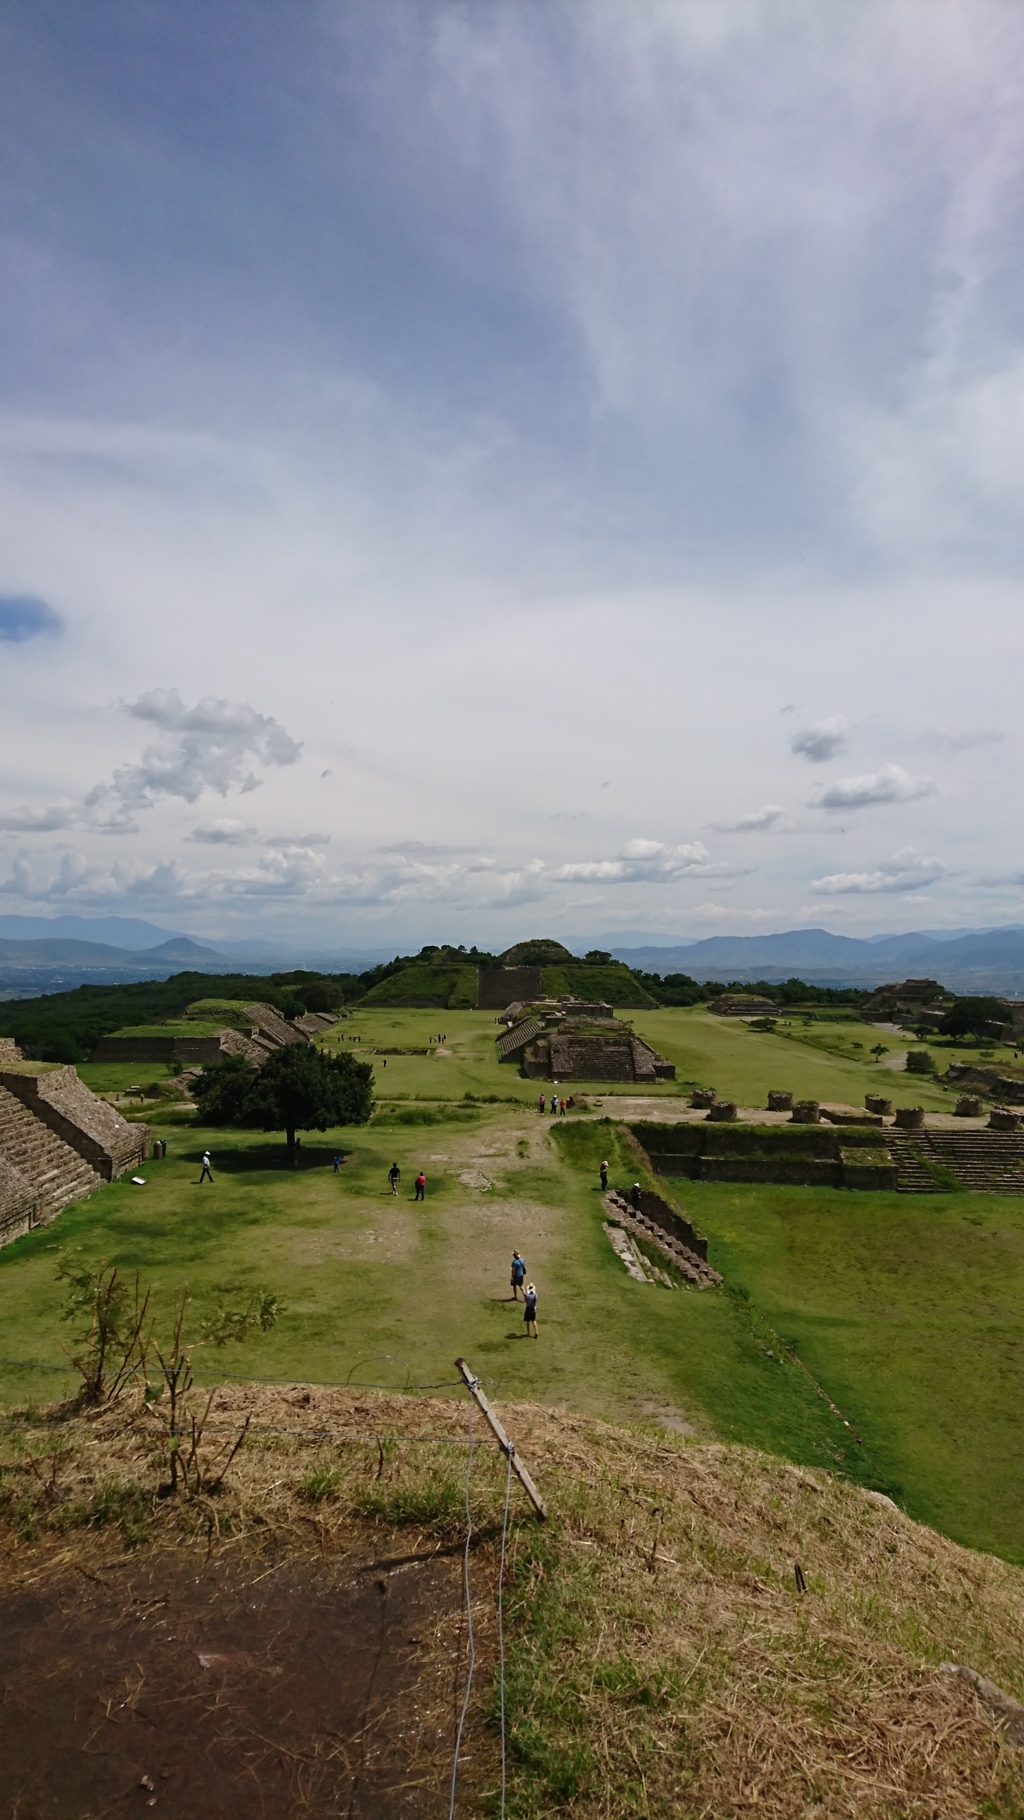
{"x":222,"y":833}
{"x":41,"y":821}
{"x":24,"y":616}
{"x":642,"y":861}
{"x":907,"y":870}
{"x":209,"y":747}
{"x":890,"y":784}
{"x":824,"y":740}
{"x":757,"y":822}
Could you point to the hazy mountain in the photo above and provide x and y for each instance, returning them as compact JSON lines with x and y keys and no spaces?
{"x":991,"y":960}
{"x":121,"y":931}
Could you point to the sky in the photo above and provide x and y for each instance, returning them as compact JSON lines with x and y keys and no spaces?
{"x":472,"y":472}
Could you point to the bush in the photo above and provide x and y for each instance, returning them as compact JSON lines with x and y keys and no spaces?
{"x":920,"y":1061}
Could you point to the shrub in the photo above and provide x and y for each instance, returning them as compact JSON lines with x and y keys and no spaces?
{"x":920,"y":1061}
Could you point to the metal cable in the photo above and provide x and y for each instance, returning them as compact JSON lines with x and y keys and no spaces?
{"x":469,"y":1622}
{"x":501,"y":1623}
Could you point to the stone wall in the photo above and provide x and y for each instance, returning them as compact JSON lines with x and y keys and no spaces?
{"x":90,"y":1126}
{"x":500,"y":986}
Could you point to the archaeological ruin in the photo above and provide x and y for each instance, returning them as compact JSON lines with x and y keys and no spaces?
{"x":570,"y":1039}
{"x":58,"y":1142}
{"x":199,"y":1036}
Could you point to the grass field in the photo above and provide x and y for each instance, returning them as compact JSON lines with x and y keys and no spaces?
{"x":902,"y":1307}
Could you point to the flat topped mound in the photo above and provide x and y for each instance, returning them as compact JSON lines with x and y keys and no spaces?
{"x":300,"y":1632}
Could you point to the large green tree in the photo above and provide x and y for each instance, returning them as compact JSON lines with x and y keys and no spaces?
{"x":973,"y":1017}
{"x":298,"y":1088}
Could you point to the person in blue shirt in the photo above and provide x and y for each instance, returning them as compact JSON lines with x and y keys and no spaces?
{"x":518,"y":1275}
{"x":530,"y":1311}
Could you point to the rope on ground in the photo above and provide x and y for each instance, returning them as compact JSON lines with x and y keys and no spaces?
{"x":469,"y":1622}
{"x":239,"y":1377}
{"x":501,"y":1623}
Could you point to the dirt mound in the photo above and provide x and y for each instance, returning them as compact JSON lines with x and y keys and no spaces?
{"x":663,"y":1654}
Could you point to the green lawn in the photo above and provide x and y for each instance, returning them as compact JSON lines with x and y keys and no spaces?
{"x":904,"y":1308}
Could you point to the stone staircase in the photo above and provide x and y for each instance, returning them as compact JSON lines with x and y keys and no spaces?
{"x":52,"y":1172}
{"x":991,"y":1162}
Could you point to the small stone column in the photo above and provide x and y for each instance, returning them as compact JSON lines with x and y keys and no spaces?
{"x":968,"y":1106}
{"x":723,"y":1109}
{"x":780,"y":1102}
{"x":910,"y":1118}
{"x":876,"y":1102}
{"x":807,"y":1112}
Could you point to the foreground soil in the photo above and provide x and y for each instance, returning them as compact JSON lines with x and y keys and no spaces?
{"x":293,"y":1641}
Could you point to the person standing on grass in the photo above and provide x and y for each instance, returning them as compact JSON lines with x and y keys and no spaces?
{"x":530,"y":1311}
{"x":543,"y":1101}
{"x":206,"y":1173}
{"x":561,"y":1108}
{"x":394,"y":1177}
{"x":421,"y":1187}
{"x":518,"y":1275}
{"x":604,"y":1177}
{"x":337,"y":1163}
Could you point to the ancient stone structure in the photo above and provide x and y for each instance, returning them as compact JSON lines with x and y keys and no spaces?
{"x":265,"y":1031}
{"x":703,"y":1096}
{"x":723,"y":1111}
{"x":57,"y":1143}
{"x":1002,"y":1119}
{"x":968,"y":1106}
{"x":986,"y":1080}
{"x":913,"y":1162}
{"x":909,"y":1118}
{"x":907,"y":1003}
{"x":780,"y":1102}
{"x":806,"y":1112}
{"x":668,"y":1231}
{"x":876,"y":1102}
{"x":563,"y":1042}
{"x":499,"y":986}
{"x":744,"y":1004}
{"x":9,"y":1051}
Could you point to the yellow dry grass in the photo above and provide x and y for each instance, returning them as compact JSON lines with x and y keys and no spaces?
{"x":661,"y":1658}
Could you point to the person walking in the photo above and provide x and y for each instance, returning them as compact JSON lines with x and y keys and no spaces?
{"x":604,"y":1177}
{"x":561,"y":1108}
{"x":337,"y":1163}
{"x":421,"y":1187}
{"x":530,"y":1311}
{"x":394,"y":1177}
{"x":634,"y":1195}
{"x":518,"y":1275}
{"x":543,"y":1101}
{"x":206,"y":1174}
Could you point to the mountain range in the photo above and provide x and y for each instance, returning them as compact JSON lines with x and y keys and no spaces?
{"x":982,"y":961}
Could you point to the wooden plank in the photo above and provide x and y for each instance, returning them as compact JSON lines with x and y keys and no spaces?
{"x":472,"y":1384}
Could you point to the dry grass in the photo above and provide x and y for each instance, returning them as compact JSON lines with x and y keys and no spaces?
{"x":661,"y":1659}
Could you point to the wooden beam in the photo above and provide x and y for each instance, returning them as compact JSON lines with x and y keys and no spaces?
{"x":472,"y":1384}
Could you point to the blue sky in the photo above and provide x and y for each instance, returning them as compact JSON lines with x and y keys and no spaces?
{"x":471,"y":470}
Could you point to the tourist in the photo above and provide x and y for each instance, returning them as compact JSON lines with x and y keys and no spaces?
{"x":530,"y":1311}
{"x":634,"y":1195}
{"x":518,"y":1275}
{"x":543,"y":1101}
{"x":206,"y":1174}
{"x":561,"y":1108}
{"x":421,"y":1187}
{"x":337,"y":1163}
{"x":604,"y":1176}
{"x":394,"y":1177}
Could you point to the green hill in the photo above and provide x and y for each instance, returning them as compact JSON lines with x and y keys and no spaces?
{"x":612,"y":982}
{"x":445,"y":987}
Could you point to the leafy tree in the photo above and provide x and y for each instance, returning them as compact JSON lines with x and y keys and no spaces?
{"x":597,"y":957}
{"x":878,"y":1050}
{"x":972,"y":1017}
{"x":302,"y":1089}
{"x":222,"y":1091}
{"x":920,"y":1061}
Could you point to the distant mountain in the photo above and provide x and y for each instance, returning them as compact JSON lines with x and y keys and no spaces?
{"x":989,"y":961}
{"x":121,"y":931}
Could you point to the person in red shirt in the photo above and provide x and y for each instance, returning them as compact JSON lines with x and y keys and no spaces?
{"x":421,"y":1187}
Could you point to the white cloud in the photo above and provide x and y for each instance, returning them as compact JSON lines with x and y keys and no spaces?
{"x":210,"y":749}
{"x":222,"y":833}
{"x":757,"y":822}
{"x":890,"y":784}
{"x":646,"y":861}
{"x":907,"y":870}
{"x":963,"y":739}
{"x":824,"y":740}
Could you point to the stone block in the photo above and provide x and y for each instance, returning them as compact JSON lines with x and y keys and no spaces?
{"x":723,"y":1109}
{"x":968,"y":1106}
{"x":1002,"y":1119}
{"x":780,"y":1102}
{"x":877,"y":1102}
{"x":806,"y":1112}
{"x":910,"y":1118}
{"x":703,"y":1096}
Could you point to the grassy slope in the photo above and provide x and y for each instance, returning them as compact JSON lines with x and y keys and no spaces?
{"x":859,"y":1281}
